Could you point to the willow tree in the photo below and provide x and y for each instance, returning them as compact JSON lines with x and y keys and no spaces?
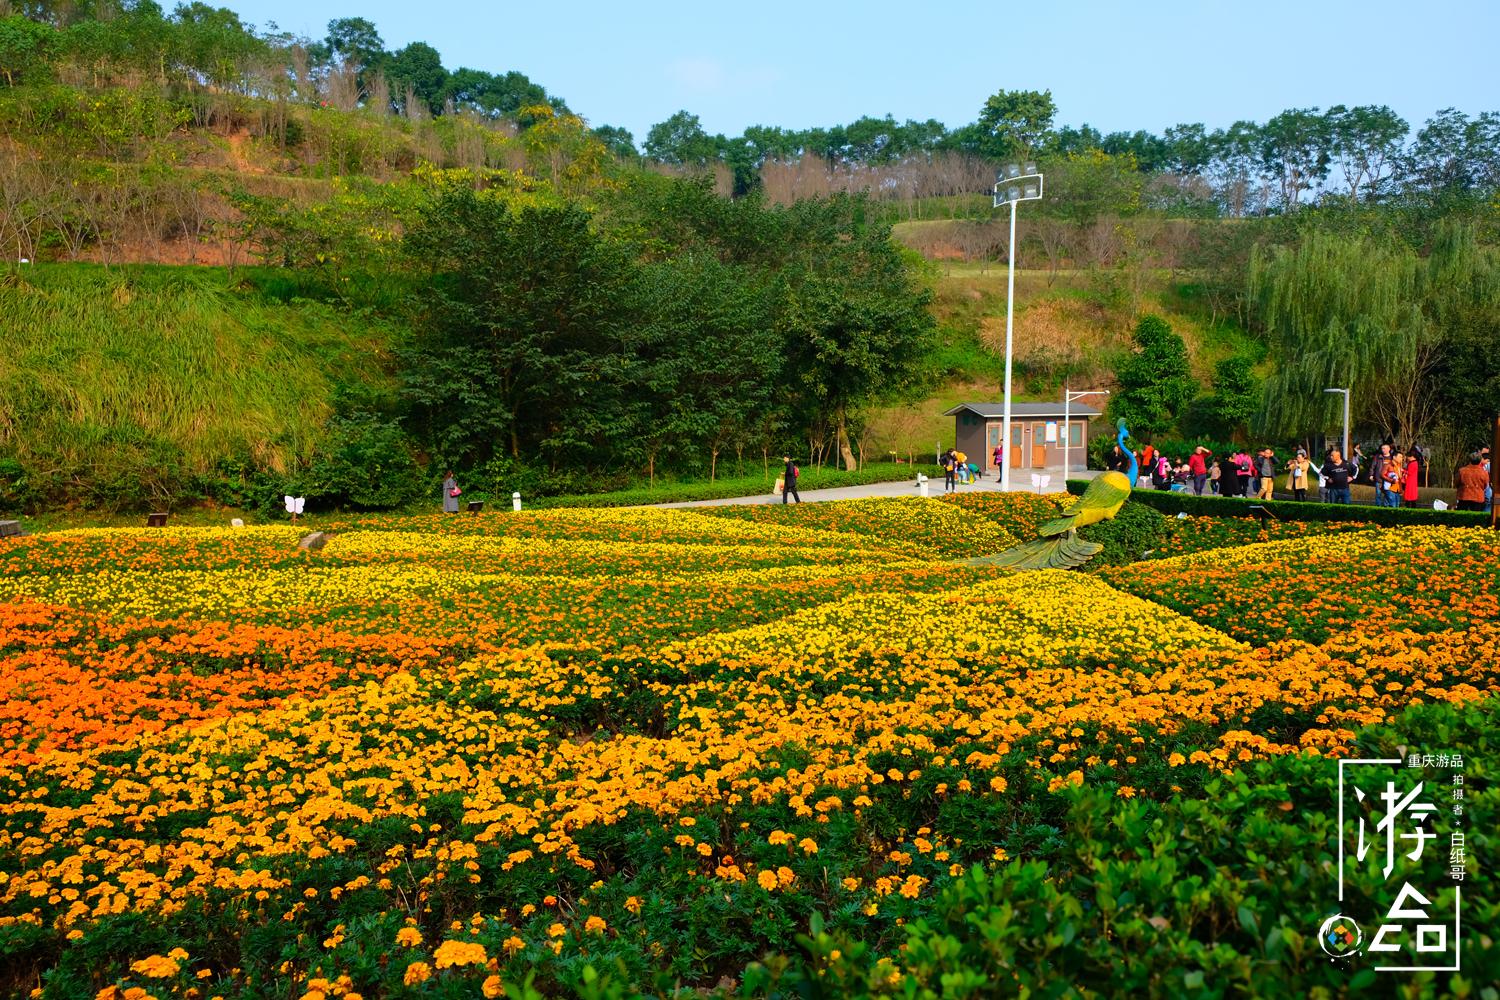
{"x":1345,"y":312}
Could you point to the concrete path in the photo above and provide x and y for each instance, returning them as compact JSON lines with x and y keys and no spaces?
{"x":1020,"y":483}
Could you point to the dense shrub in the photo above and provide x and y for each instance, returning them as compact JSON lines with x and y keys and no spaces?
{"x":1290,"y":510}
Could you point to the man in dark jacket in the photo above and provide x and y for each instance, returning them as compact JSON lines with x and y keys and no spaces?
{"x":1338,"y":474}
{"x":789,"y":480}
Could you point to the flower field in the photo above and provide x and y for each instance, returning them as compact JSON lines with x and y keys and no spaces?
{"x":615,"y":752}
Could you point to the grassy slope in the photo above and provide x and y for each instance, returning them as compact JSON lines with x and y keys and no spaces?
{"x":1067,"y":328}
{"x":115,"y":371}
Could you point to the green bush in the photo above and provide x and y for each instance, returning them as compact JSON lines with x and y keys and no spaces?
{"x":16,"y":493}
{"x":1211,"y":895}
{"x":1290,"y":510}
{"x":1135,"y":530}
{"x":365,"y":463}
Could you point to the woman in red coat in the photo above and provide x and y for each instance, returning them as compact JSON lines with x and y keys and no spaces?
{"x":1412,"y":471}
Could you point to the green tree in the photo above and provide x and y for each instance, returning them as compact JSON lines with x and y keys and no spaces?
{"x":680,"y":140}
{"x":1295,"y":151}
{"x":1366,"y":142}
{"x":25,"y":48}
{"x":854,"y":319}
{"x":619,"y":142}
{"x":1156,"y":383}
{"x":1234,"y":401}
{"x":417,"y":68}
{"x":1016,"y":123}
{"x":523,"y":330}
{"x":1344,"y":311}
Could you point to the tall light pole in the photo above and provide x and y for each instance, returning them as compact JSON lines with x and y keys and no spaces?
{"x":1015,"y":183}
{"x":1345,"y":393}
{"x":1068,"y":396}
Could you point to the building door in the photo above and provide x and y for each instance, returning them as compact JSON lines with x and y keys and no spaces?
{"x":1038,"y":446}
{"x":991,"y":441}
{"x":1016,"y":450}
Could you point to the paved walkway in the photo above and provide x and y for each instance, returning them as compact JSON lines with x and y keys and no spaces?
{"x":1020,"y":483}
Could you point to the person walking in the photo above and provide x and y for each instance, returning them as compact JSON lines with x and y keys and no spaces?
{"x":949,"y":462}
{"x":999,"y":457}
{"x":1216,"y":477}
{"x":1266,"y":466}
{"x":789,"y":476}
{"x":451,"y":493}
{"x":1411,"y":476}
{"x":1297,"y":477}
{"x":1473,"y":482}
{"x":1338,"y":474}
{"x":1198,"y":468}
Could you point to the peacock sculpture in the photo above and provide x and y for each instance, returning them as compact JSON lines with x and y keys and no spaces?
{"x":1060,"y":547}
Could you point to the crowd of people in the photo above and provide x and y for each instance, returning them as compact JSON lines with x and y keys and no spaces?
{"x":1396,"y":474}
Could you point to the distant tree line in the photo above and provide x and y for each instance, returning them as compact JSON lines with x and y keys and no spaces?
{"x":100,"y":42}
{"x":1301,"y":156}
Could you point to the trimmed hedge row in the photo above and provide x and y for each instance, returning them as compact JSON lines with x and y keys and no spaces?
{"x":1291,"y":510}
{"x":811,"y":479}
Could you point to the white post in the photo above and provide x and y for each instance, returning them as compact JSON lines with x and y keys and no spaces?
{"x":1346,"y":423}
{"x":1010,"y":310}
{"x":1067,"y":428}
{"x":515,"y":501}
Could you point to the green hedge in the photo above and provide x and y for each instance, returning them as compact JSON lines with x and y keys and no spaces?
{"x":1290,"y":510}
{"x":744,"y":486}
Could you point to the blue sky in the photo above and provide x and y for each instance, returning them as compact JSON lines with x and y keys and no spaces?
{"x":1113,"y":65}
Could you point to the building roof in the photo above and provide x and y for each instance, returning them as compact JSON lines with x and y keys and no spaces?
{"x":1032,"y":411}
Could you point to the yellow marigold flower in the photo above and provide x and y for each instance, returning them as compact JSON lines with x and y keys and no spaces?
{"x":1000,"y":854}
{"x":594,"y":924}
{"x":1176,"y":760}
{"x":785,"y":876}
{"x":998,"y":784}
{"x":778,"y":837}
{"x":705,"y":850}
{"x":851,"y":884}
{"x":514,"y":944}
{"x":155,"y":967}
{"x":808,"y":845}
{"x":408,"y":937}
{"x":417,"y":972}
{"x":492,"y":987}
{"x":767,"y":880}
{"x":633,"y":904}
{"x":1125,"y":792}
{"x":556,"y":930}
{"x":455,"y":953}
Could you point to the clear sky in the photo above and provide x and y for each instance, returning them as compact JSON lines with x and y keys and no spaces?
{"x":1116,"y":66}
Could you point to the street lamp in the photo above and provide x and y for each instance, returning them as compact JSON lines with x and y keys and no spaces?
{"x":1068,"y":396}
{"x":1345,"y":393}
{"x":1014,"y":184}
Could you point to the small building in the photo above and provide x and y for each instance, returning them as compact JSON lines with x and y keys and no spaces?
{"x":1037,"y":433}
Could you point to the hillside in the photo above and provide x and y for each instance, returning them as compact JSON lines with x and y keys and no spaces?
{"x":122,"y":385}
{"x":1072,"y":326}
